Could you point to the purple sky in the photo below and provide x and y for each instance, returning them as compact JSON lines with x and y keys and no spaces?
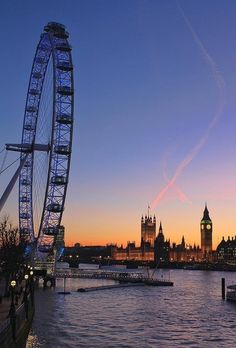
{"x":145,"y":97}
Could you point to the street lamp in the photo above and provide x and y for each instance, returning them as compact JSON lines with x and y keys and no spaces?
{"x":25,"y":296}
{"x":31,"y":286}
{"x":26,"y":281}
{"x":31,"y":279}
{"x":13,"y":284}
{"x":12,"y":308}
{"x":12,"y":312}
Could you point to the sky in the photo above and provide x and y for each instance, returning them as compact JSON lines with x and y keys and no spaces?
{"x":155,"y":105}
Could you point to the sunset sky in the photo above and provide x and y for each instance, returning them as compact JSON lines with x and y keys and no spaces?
{"x":155,"y":112}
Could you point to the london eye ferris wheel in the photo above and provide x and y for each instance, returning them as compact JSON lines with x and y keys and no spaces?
{"x":46,"y":143}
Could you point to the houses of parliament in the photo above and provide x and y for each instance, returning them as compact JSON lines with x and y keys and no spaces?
{"x":154,"y":247}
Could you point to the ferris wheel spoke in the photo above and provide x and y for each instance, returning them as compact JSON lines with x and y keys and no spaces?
{"x":39,"y":186}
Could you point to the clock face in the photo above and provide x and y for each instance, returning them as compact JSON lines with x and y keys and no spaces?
{"x":202,"y":227}
{"x":208,"y":227}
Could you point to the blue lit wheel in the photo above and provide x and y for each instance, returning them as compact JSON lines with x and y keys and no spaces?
{"x":47,"y":139}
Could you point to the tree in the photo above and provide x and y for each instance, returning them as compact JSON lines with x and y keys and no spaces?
{"x":11,"y":251}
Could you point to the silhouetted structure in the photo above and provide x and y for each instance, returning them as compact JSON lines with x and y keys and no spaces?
{"x":146,"y":250}
{"x":162,"y":248}
{"x":148,"y":230}
{"x":206,"y":236}
{"x":151,"y":248}
{"x":158,"y":249}
{"x":226,"y":250}
{"x":185,"y":253}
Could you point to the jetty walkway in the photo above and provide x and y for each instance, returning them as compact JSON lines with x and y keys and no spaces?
{"x":99,"y":274}
{"x":133,"y":277}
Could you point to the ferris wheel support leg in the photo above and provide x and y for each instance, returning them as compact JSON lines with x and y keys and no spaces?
{"x":11,"y":184}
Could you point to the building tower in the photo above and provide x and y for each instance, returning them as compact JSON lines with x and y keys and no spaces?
{"x":206,"y":235}
{"x":148,"y":230}
{"x":162,"y":248}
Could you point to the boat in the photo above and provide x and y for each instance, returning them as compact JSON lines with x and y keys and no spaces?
{"x":231,"y":293}
{"x":88,"y":266}
{"x":147,"y":279}
{"x":153,"y":280}
{"x":114,"y":267}
{"x":156,"y":282}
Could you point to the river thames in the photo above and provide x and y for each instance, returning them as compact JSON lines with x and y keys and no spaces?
{"x":189,"y":314}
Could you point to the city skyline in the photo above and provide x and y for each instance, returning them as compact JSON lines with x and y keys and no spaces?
{"x":158,"y":227}
{"x":155,"y":86}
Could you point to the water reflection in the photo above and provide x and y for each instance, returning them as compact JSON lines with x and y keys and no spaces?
{"x":190,"y":314}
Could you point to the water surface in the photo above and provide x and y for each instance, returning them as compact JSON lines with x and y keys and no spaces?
{"x":190,"y":314}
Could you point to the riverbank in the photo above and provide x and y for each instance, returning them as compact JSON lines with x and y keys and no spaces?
{"x":201,"y":266}
{"x":15,"y":320}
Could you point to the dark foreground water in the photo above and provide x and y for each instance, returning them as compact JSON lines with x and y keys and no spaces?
{"x":190,"y":314}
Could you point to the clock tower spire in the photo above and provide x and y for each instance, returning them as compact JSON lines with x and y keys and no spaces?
{"x":206,"y":235}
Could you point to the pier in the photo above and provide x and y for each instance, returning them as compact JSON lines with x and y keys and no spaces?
{"x":108,"y":287}
{"x":125,"y":277}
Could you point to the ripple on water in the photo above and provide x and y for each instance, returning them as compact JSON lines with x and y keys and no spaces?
{"x":190,"y":314}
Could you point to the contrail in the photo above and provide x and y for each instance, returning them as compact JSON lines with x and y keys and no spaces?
{"x":181,"y":195}
{"x":221,"y":88}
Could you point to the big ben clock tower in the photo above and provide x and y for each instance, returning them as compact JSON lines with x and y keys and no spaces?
{"x":206,"y":235}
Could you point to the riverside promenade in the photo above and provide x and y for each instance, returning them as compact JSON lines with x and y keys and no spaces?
{"x":15,"y":319}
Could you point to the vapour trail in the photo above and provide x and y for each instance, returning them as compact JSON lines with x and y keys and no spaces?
{"x":221,"y":88}
{"x":181,"y":195}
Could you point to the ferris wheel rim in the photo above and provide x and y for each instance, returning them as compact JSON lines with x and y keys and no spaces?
{"x":53,"y":45}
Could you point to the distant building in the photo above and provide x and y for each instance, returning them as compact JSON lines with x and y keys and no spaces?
{"x":185,"y":253}
{"x":164,"y":252}
{"x":148,"y":230}
{"x":206,"y":235}
{"x":60,"y":237}
{"x":162,"y":248}
{"x":158,"y":249}
{"x":226,"y":250}
{"x":146,"y":250}
{"x":133,"y":253}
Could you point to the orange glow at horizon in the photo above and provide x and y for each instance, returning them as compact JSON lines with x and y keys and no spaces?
{"x":95,"y":232}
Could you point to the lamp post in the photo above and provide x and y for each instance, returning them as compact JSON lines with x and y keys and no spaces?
{"x":31,"y":286}
{"x":26,"y":277}
{"x":12,"y":312}
{"x":25,"y":297}
{"x":13,"y":284}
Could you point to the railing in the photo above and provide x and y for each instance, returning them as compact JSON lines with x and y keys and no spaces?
{"x":11,"y":328}
{"x":133,"y":276}
{"x":5,"y":330}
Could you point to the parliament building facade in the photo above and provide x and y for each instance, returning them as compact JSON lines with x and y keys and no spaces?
{"x":154,"y":247}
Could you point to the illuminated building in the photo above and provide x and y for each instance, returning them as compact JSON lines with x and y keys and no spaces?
{"x":146,"y":250}
{"x":148,"y":230}
{"x":158,"y":249}
{"x":206,"y":235}
{"x":226,"y":250}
